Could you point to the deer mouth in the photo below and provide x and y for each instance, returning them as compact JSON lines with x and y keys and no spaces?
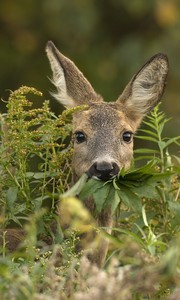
{"x":103,"y":170}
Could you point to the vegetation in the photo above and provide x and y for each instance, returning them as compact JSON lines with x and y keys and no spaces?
{"x":144,"y":258}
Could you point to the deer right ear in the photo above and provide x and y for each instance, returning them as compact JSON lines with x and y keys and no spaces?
{"x":72,"y":87}
{"x":145,"y":89}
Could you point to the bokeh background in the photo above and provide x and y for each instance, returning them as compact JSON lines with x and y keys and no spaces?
{"x":109,"y":40}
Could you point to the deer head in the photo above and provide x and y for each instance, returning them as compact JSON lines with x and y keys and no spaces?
{"x":103,"y":134}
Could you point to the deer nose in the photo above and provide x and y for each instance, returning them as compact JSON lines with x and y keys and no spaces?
{"x":103,"y":170}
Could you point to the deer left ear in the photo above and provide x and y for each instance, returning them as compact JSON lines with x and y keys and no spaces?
{"x":145,"y":89}
{"x":72,"y":87}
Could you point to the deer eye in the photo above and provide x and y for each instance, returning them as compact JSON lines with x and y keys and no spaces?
{"x":80,"y":137}
{"x":127,"y":136}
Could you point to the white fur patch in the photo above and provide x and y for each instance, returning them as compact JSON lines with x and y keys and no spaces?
{"x":59,"y":81}
{"x":148,"y":86}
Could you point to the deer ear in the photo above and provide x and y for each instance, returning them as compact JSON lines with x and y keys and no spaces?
{"x":72,"y":87}
{"x":145,"y":89}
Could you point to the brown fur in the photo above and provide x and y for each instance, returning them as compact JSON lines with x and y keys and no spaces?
{"x":103,"y":125}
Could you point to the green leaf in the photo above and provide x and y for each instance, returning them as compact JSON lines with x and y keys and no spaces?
{"x":139,"y":173}
{"x":160,"y":117}
{"x":148,"y":138}
{"x":100,"y":196}
{"x":116,"y":187}
{"x":150,"y":125}
{"x":12,"y":195}
{"x":162,"y":145}
{"x":29,"y":174}
{"x":156,"y":178}
{"x":149,"y":132}
{"x":130,"y":199}
{"x":151,"y":117}
{"x":146,"y":191}
{"x":130,"y":233}
{"x":39,"y":175}
{"x":76,"y":189}
{"x":174,"y":207}
{"x":170,"y":141}
{"x":90,"y":187}
{"x":16,"y":220}
{"x":146,"y":150}
{"x":115,"y":200}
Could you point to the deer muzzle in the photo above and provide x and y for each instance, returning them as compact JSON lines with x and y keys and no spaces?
{"x":103,"y":170}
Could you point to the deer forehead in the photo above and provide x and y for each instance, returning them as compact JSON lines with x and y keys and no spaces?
{"x":103,"y":117}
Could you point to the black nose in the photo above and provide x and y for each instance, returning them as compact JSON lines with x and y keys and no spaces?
{"x":103,"y":170}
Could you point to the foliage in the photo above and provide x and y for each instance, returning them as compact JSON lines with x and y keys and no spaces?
{"x":143,"y":261}
{"x":34,"y":160}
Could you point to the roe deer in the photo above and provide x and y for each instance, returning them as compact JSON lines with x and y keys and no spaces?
{"x":103,"y":133}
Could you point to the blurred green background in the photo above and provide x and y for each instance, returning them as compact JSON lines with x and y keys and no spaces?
{"x":108,"y":40}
